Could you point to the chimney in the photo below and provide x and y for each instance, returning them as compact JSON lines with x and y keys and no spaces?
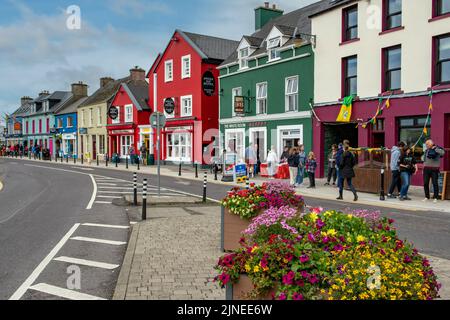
{"x":43,"y":93}
{"x":25,"y":100}
{"x":137,"y":74}
{"x":265,"y":13}
{"x":79,"y":89}
{"x":105,"y":81}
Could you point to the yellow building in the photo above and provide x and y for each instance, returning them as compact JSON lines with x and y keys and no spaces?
{"x":92,"y":120}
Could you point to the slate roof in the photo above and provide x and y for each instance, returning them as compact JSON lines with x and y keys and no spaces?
{"x":286,"y":24}
{"x":104,"y":94}
{"x":23,"y":109}
{"x":331,"y":5}
{"x":72,"y":106}
{"x":138,"y":93}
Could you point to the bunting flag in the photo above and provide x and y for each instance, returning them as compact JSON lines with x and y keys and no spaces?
{"x":346,"y":110}
{"x":380,"y":108}
{"x":425,"y":129}
{"x":388,"y":103}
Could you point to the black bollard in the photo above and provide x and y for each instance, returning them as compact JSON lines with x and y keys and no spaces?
{"x":144,"y":200}
{"x":74,"y":160}
{"x":382,"y":196}
{"x":179,"y":169}
{"x":139,"y":165}
{"x":82,"y":159}
{"x":205,"y":182}
{"x":215,"y":171}
{"x":106,"y":161}
{"x":67,"y":159}
{"x":98,"y":163}
{"x":62,"y":158}
{"x":196,"y":170}
{"x":135,"y":201}
{"x":126,"y":162}
{"x":247,"y":183}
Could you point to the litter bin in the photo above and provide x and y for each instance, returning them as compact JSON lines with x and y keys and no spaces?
{"x":115,"y":158}
{"x":151,"y":160}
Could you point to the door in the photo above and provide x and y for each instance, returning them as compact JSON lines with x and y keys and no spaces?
{"x":258,"y":137}
{"x":94,"y":147}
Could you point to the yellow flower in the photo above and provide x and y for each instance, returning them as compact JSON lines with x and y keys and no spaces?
{"x":360,"y":239}
{"x":350,"y":216}
{"x":247,"y":268}
{"x":255,"y":248}
{"x":314,"y":217}
{"x":256,"y":269}
{"x":331,"y":232}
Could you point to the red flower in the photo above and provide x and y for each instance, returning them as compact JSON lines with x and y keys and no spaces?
{"x":297,"y":296}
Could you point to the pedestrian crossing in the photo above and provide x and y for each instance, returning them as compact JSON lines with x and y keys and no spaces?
{"x":60,"y":258}
{"x":110,"y":189}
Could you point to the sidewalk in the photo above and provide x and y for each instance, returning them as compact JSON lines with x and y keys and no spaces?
{"x":172,"y":255}
{"x":321,"y":192}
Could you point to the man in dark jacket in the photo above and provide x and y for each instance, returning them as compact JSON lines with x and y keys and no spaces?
{"x":346,"y":172}
{"x":431,"y":166}
{"x":395,"y":169}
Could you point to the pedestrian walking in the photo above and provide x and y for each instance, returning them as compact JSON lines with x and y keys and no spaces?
{"x":285,"y":155}
{"x":339,"y":153}
{"x":250,"y":160}
{"x":272,"y":160}
{"x":432,"y":164}
{"x":311,"y":166}
{"x":301,"y":165}
{"x":395,"y":169}
{"x":293,"y":161}
{"x":347,"y":172}
{"x":332,"y":165}
{"x":408,"y":167}
{"x":143,"y":151}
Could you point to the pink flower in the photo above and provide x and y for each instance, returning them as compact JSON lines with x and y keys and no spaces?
{"x":304,"y":258}
{"x":225,"y":278}
{"x":311,"y":237}
{"x":282,"y":296}
{"x":297,"y":296}
{"x":313,"y":279}
{"x":320,"y":224}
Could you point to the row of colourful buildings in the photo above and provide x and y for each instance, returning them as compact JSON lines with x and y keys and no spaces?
{"x":281,"y":86}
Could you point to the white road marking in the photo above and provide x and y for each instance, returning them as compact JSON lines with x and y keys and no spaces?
{"x":64,"y":293}
{"x":117,"y":188}
{"x":102,"y":202}
{"x":108,"y":197}
{"x":104,"y":226}
{"x":116,"y":192}
{"x":103,"y":241}
{"x":84,"y":169}
{"x":107,"y":184}
{"x":88,"y":263}
{"x":133,"y":222}
{"x":94,"y":193}
{"x":35,"y":274}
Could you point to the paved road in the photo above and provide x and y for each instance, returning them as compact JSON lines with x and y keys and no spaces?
{"x":427,"y":230}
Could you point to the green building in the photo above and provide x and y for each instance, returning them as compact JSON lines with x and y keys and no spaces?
{"x":267,"y":84}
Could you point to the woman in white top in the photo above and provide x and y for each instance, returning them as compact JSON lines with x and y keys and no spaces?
{"x":272,"y":160}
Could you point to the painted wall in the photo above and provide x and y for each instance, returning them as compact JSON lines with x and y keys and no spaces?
{"x":415,"y":38}
{"x":97,"y":128}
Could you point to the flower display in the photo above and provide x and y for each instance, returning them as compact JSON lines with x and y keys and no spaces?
{"x":331,"y":256}
{"x":248,"y":203}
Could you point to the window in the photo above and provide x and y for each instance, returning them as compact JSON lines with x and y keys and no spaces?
{"x":179,"y":146}
{"x":34,"y":127}
{"x":82,"y":118}
{"x":186,"y":106}
{"x":393,"y":14}
{"x":292,"y":94}
{"x":60,"y":123}
{"x":234,"y":143}
{"x":117,"y":120}
{"x":26,"y":126}
{"x":442,"y":7}
{"x":272,"y":47}
{"x":442,"y":58}
{"x":350,"y":19}
{"x":69,"y":122}
{"x":99,"y":116}
{"x":91,"y":120}
{"x":101,"y":149}
{"x":47,"y":125}
{"x":129,"y":113}
{"x":392,"y":68}
{"x":261,"y":98}
{"x":235,"y":92}
{"x":243,"y":55}
{"x":168,"y":71}
{"x":350,"y":79}
{"x":186,"y":67}
{"x":411,"y":129}
{"x":127,"y":142}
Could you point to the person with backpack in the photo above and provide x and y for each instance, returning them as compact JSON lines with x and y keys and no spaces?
{"x":431,"y":166}
{"x":408,"y":167}
{"x":347,"y":172}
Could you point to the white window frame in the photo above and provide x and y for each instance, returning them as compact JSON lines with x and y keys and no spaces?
{"x":233,"y":95}
{"x":241,"y":152}
{"x":125,"y":147}
{"x":291,"y":128}
{"x":60,"y":120}
{"x":260,"y":99}
{"x":127,"y":114}
{"x":294,"y":93}
{"x":168,"y":76}
{"x":186,"y":72}
{"x":91,"y":120}
{"x":264,"y":152}
{"x":99,"y":116}
{"x":176,"y":149}
{"x":69,"y":123}
{"x":243,"y":60}
{"x":273,"y":46}
{"x":116,"y":121}
{"x":182,"y":111}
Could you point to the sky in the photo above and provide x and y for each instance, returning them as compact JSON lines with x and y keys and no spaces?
{"x":39,"y":52}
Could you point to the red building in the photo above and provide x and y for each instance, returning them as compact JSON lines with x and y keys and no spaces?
{"x":184,"y":85}
{"x":129,"y":106}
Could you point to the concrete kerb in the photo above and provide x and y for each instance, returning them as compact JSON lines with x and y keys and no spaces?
{"x":1,"y":186}
{"x":124,"y":275}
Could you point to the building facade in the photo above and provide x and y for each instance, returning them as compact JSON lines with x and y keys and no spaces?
{"x":267,"y":85}
{"x":92,"y":120}
{"x":131,"y":103}
{"x":184,"y":85}
{"x":14,"y":132}
{"x":392,"y":56}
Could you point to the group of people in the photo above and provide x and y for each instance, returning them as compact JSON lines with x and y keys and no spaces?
{"x":404,"y":166}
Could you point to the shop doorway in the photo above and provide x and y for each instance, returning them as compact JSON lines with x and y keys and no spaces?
{"x":94,"y":147}
{"x":447,"y":144}
{"x":258,"y":137}
{"x":336,"y":134}
{"x":289,"y":137}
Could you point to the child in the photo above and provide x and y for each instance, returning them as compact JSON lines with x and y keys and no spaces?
{"x":311,"y":166}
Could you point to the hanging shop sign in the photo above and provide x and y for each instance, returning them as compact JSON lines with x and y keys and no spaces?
{"x":239,"y":105}
{"x":209,"y":83}
{"x":169,"y":106}
{"x":83,"y":131}
{"x":113,"y":113}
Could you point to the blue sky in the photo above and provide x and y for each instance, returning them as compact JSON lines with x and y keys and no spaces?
{"x":38,"y":52}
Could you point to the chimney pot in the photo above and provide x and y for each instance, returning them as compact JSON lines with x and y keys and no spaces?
{"x":274,"y":7}
{"x":137,"y":74}
{"x":105,"y":80}
{"x":266,"y":4}
{"x":79,"y":89}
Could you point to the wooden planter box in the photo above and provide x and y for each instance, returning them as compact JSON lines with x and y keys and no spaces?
{"x":232,"y":228}
{"x":240,"y":290}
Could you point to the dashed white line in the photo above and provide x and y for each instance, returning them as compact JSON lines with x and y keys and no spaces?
{"x":108,"y":197}
{"x":35,"y":274}
{"x":94,"y":193}
{"x":102,"y":202}
{"x":64,"y":293}
{"x":88,"y":263}
{"x":104,"y":226}
{"x":103,"y":241}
